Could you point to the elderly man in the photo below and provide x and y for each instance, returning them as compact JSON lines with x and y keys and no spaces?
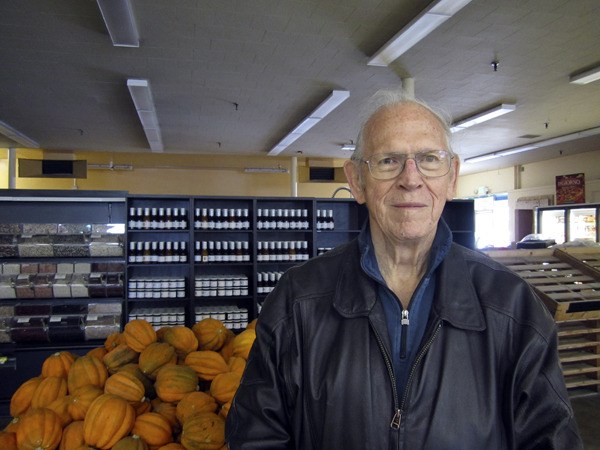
{"x":401,"y":339}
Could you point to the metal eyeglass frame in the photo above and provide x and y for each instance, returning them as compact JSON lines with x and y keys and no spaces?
{"x":405,"y":157}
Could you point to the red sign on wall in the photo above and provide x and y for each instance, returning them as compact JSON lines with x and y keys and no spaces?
{"x":570,"y":189}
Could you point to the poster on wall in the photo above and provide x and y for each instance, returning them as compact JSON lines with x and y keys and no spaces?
{"x":570,"y":189}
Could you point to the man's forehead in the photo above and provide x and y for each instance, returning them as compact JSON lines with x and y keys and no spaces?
{"x":410,"y":118}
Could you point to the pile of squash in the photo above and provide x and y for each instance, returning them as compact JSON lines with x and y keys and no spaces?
{"x":168,"y":389}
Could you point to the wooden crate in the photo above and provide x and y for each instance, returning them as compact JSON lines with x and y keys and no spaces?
{"x":589,"y":257}
{"x":579,"y":352}
{"x":568,"y":282}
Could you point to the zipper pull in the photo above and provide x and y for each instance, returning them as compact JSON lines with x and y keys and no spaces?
{"x":404,"y":320}
{"x":396,"y":420}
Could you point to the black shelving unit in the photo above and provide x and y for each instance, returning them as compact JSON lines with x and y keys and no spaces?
{"x":460,"y":217}
{"x":158,"y":259}
{"x":168,"y":289}
{"x":62,"y":266}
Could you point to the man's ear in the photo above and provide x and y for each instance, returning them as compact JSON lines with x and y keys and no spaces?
{"x":351,"y":170}
{"x":452,"y":187}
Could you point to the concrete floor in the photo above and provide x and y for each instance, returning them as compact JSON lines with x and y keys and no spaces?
{"x":587,"y":414}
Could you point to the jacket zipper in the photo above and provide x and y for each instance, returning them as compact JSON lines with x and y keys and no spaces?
{"x":404,"y":330}
{"x":413,"y":369}
{"x":395,"y":424}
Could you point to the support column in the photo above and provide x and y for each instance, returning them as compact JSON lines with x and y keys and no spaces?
{"x":12,"y":168}
{"x":517,"y":176}
{"x":408,"y":85}
{"x":294,"y":177}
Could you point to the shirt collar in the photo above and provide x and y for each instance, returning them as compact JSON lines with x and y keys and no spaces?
{"x":439,"y":249}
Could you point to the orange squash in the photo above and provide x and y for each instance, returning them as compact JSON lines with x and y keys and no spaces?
{"x":13,"y":425}
{"x":211,"y":334}
{"x":57,"y":364}
{"x":131,"y":443}
{"x":204,"y":431}
{"x":114,"y":340}
{"x":225,"y":410}
{"x":236,"y":364}
{"x":48,"y":390}
{"x":227,"y":349}
{"x":97,"y":352}
{"x":86,"y":370}
{"x":141,"y":407}
{"x":108,"y":420}
{"x":172,"y":446}
{"x":21,"y":399}
{"x":134,"y":370}
{"x":72,"y":436}
{"x":119,"y":356}
{"x":160,"y":333}
{"x":252,"y":324}
{"x":81,"y":399}
{"x":153,"y":428}
{"x":194,"y":403}
{"x":139,"y":334}
{"x":182,"y":339}
{"x":61,"y":407}
{"x":206,"y":363}
{"x":173,"y":382}
{"x":168,"y":411}
{"x":8,"y":440}
{"x":242,"y":343}
{"x":224,"y":386}
{"x":40,"y":429}
{"x":125,"y":385}
{"x":155,"y":356}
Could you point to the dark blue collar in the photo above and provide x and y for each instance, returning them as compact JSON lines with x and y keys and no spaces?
{"x":439,"y":249}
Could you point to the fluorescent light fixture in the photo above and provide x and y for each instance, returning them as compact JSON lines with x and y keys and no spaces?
{"x":515,"y":150}
{"x":17,"y":136}
{"x":336,"y":98}
{"x":586,"y":77}
{"x":535,"y":145}
{"x":120,"y":22}
{"x":496,"y":111}
{"x":144,"y":105}
{"x":278,"y":169}
{"x":348,"y":147}
{"x":428,"y":20}
{"x":507,"y":152}
{"x":110,"y":166}
{"x":481,"y":158}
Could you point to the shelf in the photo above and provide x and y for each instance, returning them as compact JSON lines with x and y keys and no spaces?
{"x":59,"y":207}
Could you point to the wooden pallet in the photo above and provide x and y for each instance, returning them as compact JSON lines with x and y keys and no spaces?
{"x":568,"y":282}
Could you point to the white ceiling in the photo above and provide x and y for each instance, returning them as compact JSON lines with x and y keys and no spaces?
{"x":233,"y":77}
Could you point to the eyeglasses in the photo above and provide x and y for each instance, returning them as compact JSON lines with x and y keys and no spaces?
{"x":430,"y":164}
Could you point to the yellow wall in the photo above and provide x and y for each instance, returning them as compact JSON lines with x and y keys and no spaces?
{"x":181,"y":175}
{"x":156,"y":173}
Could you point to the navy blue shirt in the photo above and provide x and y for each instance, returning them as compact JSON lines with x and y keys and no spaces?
{"x":405,"y":327}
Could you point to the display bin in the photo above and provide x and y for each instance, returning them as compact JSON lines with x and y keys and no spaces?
{"x":567,"y":280}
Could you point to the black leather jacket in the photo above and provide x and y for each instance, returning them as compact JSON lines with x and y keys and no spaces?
{"x":319,"y":375}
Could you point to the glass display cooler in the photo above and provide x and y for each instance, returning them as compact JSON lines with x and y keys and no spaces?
{"x":566,"y":223}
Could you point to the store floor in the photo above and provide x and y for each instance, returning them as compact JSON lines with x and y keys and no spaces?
{"x":587,"y":414}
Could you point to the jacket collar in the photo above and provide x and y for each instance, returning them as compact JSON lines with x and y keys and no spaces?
{"x":455,"y":299}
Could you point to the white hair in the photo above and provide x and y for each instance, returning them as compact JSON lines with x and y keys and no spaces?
{"x":386,"y":98}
